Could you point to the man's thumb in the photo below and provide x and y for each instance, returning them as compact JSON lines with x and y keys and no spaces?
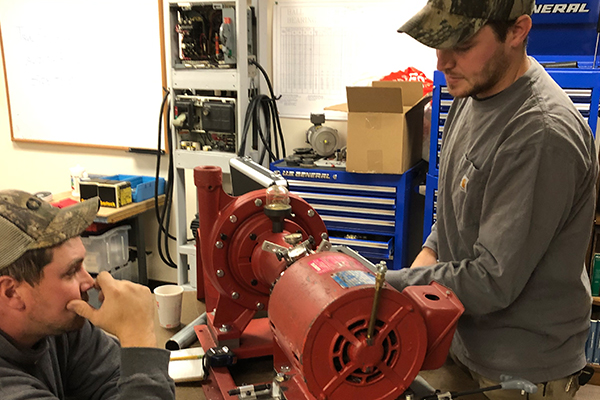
{"x":82,"y":308}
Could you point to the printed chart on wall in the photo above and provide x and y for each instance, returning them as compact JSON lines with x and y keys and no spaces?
{"x":83,"y":72}
{"x":319,"y":48}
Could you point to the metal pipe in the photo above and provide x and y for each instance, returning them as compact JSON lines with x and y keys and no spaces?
{"x":186,"y":336}
{"x":379,"y":280}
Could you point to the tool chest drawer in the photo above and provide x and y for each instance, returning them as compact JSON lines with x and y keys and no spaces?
{"x":441,"y":102}
{"x":369,"y":246}
{"x":356,"y":213}
{"x":366,"y":212}
{"x":431,"y":204}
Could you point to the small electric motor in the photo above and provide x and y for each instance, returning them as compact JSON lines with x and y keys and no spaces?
{"x":323,"y":139}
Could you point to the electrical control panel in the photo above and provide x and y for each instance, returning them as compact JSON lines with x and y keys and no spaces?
{"x":205,"y":123}
{"x":204,"y":35}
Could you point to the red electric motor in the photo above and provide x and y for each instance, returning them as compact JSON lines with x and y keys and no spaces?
{"x":320,"y":310}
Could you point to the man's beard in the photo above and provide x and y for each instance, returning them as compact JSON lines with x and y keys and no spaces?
{"x":490,"y":76}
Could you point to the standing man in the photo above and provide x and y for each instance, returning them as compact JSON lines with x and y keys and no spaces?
{"x":516,"y":201}
{"x":51,"y":341}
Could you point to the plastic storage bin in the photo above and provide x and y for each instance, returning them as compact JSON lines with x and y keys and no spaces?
{"x":108,"y":251}
{"x":142,"y":187}
{"x":126,"y":272}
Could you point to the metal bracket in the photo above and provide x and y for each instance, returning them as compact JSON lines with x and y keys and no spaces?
{"x":444,"y":396}
{"x":325,"y":245}
{"x":252,"y":392}
{"x":292,"y":254}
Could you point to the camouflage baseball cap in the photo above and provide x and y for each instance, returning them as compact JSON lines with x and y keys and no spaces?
{"x":27,"y":222}
{"x":442,"y":24}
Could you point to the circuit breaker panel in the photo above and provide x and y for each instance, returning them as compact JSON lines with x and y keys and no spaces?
{"x":205,"y":123}
{"x":204,"y":35}
{"x":203,"y":39}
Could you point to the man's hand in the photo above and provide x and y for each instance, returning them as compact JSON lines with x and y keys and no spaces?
{"x":126,"y":312}
{"x":425,"y":258}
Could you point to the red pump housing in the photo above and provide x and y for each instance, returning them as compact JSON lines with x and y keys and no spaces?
{"x":234,"y":271}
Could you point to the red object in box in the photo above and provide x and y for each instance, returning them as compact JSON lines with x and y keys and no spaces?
{"x":411,"y":74}
{"x":95,"y":227}
{"x":64,"y":203}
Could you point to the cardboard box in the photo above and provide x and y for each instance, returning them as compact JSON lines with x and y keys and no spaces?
{"x":385,"y":126}
{"x":112,"y":194}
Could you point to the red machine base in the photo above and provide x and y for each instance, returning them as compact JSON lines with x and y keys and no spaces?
{"x":256,"y":341}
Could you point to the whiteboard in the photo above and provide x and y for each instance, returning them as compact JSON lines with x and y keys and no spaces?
{"x":320,"y":47}
{"x":83,"y":72}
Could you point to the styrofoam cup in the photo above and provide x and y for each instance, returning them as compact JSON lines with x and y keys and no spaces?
{"x":168,"y":301}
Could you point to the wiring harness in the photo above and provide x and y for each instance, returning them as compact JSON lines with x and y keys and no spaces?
{"x":263,"y":116}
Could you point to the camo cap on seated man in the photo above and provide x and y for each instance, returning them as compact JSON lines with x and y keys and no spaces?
{"x":442,"y":24}
{"x":27,"y":223}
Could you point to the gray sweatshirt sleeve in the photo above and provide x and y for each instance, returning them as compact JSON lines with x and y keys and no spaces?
{"x":144,"y":374}
{"x":533,"y":194}
{"x":432,"y":239}
{"x":86,"y":364}
{"x":100,"y":370}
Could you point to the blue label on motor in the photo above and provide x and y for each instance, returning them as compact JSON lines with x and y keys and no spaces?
{"x":348,"y":279}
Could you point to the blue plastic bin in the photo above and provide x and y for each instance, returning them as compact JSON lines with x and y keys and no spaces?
{"x":142,"y":187}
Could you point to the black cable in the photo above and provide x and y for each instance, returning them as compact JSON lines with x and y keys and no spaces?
{"x":274,"y":103}
{"x":159,"y":147}
{"x":256,"y":106}
{"x":168,"y":200}
{"x":247,"y":119}
{"x":171,"y":175}
{"x":263,"y":106}
{"x":271,"y":117}
{"x":255,"y":127}
{"x":266,"y":116}
{"x":267,"y":146}
{"x":168,"y":188}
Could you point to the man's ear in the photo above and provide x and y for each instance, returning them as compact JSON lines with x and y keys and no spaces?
{"x":518,"y":32}
{"x":9,"y":294}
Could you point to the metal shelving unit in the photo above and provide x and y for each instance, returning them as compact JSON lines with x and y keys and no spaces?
{"x":237,"y":79}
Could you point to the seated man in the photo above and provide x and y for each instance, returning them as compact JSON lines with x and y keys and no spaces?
{"x":51,"y":344}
